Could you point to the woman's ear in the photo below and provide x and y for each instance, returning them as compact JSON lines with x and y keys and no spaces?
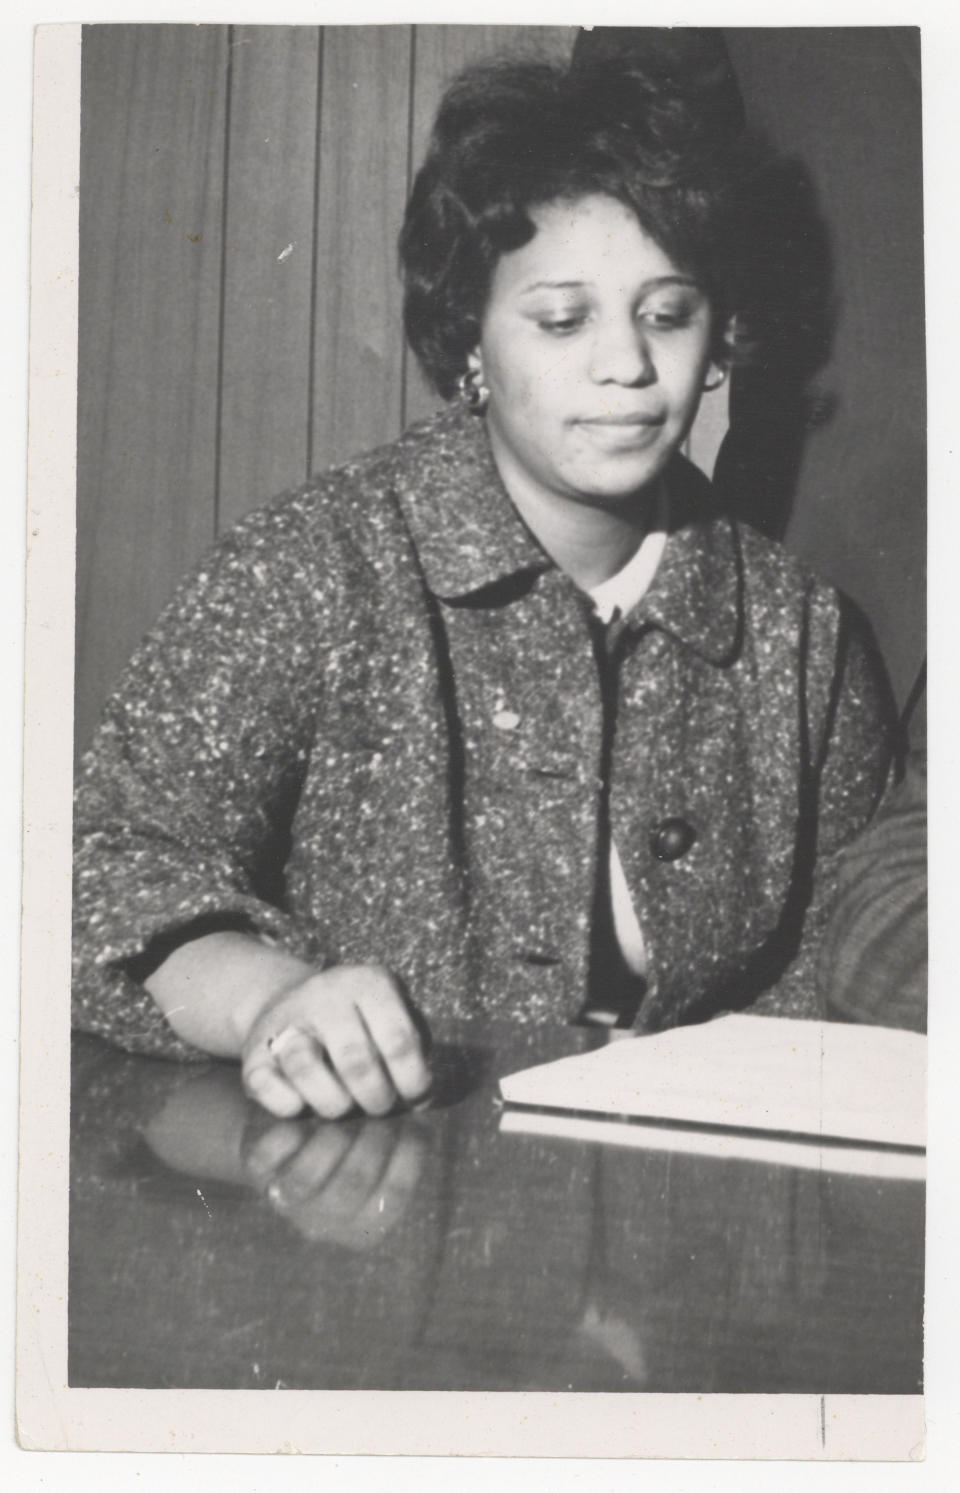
{"x":475,"y":364}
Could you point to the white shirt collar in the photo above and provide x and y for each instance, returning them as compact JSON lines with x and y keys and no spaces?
{"x":620,"y":593}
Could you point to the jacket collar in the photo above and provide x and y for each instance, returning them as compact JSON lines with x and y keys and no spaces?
{"x":697,"y":593}
{"x":469,"y":536}
{"x":467,"y":532}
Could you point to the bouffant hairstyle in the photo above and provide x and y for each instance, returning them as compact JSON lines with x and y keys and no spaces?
{"x":510,"y":135}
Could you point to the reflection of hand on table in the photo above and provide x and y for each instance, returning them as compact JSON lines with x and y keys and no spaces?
{"x":346,"y":1184}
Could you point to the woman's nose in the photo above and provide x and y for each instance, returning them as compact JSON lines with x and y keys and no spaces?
{"x":620,"y":355}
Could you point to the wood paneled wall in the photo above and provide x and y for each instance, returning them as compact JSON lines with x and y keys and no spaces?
{"x":241,"y":192}
{"x":240,"y":196}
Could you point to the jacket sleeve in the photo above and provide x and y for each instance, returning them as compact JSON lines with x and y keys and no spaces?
{"x":873,"y":965}
{"x":848,"y":737}
{"x":194,"y":770}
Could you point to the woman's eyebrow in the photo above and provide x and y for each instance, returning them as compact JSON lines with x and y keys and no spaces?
{"x":553,"y":285}
{"x":657,"y":283}
{"x":689,"y":281}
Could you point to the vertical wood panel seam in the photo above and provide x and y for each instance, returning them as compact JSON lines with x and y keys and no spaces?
{"x":222,"y":305}
{"x":404,"y":350}
{"x":315,"y":254}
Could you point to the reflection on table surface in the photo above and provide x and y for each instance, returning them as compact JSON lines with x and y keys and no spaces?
{"x":213,"y":1247}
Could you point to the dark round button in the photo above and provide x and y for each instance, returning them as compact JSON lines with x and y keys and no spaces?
{"x":671,"y":839}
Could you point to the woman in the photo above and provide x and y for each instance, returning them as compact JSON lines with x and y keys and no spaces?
{"x":505,"y":717}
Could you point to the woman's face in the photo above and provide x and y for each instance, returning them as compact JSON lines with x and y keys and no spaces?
{"x":594,"y":346}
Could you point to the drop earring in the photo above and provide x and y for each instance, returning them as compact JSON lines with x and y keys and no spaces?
{"x":714,"y":383}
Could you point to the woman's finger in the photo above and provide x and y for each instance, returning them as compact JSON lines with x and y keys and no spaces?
{"x":301,"y":1061}
{"x":396,"y":1039}
{"x":264,"y":1083}
{"x":357,"y":1065}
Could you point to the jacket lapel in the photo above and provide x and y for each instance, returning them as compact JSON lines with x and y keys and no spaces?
{"x":467,"y":532}
{"x":697,"y":593}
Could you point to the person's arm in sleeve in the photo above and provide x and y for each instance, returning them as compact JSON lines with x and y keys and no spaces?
{"x":849,"y":727}
{"x":192,"y":778}
{"x":193,"y":771}
{"x":873,"y":965}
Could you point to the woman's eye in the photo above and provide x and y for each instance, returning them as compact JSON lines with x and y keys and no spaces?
{"x":667,"y":318}
{"x":561,"y":325}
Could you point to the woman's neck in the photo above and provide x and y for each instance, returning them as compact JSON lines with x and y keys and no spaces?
{"x":589,"y":542}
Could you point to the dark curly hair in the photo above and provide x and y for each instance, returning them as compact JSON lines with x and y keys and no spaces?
{"x":510,"y":135}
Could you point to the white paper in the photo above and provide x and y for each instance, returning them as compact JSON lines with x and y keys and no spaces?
{"x":830,"y":1080}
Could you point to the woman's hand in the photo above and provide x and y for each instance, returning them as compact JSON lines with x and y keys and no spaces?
{"x":340,"y":1038}
{"x":326,"y":1040}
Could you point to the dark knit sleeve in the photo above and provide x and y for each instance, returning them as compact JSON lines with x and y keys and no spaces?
{"x":849,"y":734}
{"x":194,"y":770}
{"x":873,"y":966}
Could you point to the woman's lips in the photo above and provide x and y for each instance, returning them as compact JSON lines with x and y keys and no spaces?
{"x":630,"y":431}
{"x":619,"y":420}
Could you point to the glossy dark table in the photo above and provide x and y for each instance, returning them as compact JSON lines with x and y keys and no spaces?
{"x":214,"y":1248}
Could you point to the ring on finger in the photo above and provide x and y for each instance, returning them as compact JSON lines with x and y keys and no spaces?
{"x":277,"y":1044}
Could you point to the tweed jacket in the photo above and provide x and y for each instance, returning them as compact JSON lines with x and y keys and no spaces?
{"x":370,"y":728}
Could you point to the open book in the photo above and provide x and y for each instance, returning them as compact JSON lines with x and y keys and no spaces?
{"x":824,"y":1094}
